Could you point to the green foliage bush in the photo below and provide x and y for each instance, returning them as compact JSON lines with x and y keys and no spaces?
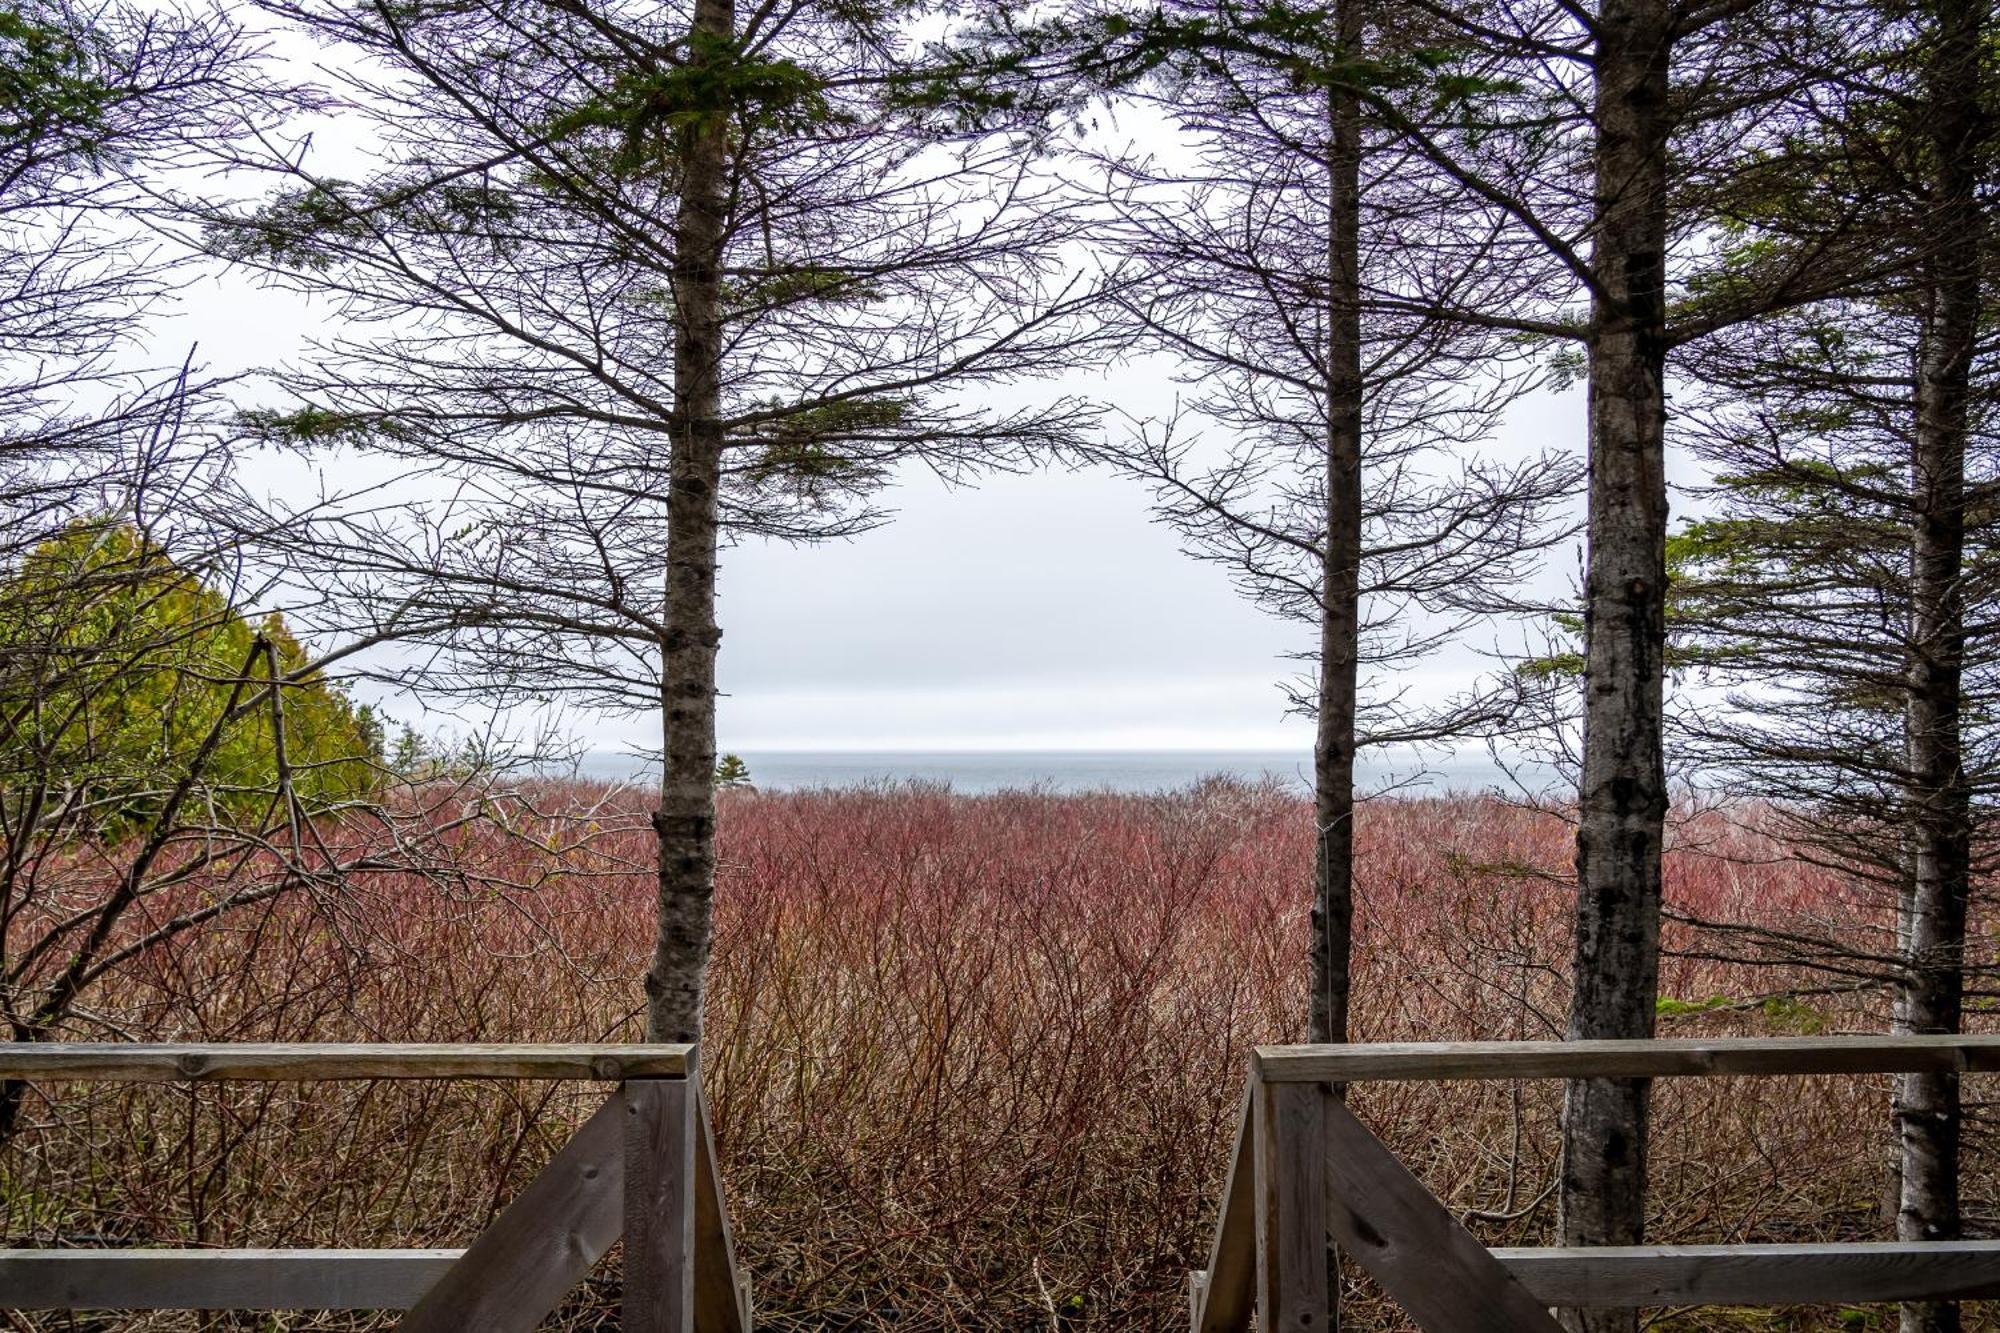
{"x":124,"y":674}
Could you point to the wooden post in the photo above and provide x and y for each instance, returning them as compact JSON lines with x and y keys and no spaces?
{"x":659,"y":1206}
{"x":1292,"y":1294}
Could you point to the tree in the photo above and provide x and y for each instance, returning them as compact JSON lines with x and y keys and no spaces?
{"x":1590,"y":153}
{"x":90,"y":99}
{"x":171,"y":756}
{"x":1663,"y":116}
{"x":575,"y":201}
{"x":119,"y":665}
{"x":1350,"y":497}
{"x":1953,"y":255}
{"x":1846,"y":586}
{"x":168,"y":760}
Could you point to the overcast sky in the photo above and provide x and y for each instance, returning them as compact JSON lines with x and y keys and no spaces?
{"x":1035,"y":612}
{"x":1039,"y":611}
{"x":1043,"y":611}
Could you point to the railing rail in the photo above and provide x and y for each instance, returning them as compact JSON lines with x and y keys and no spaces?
{"x":643,"y":1168}
{"x":324,"y":1062}
{"x":1304,"y":1170}
{"x":1673,"y":1058}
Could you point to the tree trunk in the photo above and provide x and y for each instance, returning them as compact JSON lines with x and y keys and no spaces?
{"x":685,"y":822}
{"x":1623,"y":800}
{"x":1927,"y":1111}
{"x":1340,"y":608}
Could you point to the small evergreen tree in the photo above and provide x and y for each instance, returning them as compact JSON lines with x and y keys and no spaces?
{"x":121,"y":669}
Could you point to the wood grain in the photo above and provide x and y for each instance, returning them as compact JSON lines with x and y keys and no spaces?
{"x":660,"y":1172}
{"x":1626,"y":1059}
{"x":721,"y":1293}
{"x":1391,"y":1225}
{"x":219,"y":1279}
{"x":139,"y":1062}
{"x":1848,"y":1274}
{"x":1292,"y":1295}
{"x":542,"y":1243}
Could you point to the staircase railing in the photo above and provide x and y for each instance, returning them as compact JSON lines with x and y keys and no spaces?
{"x":1305,"y":1170}
{"x":642,"y":1168}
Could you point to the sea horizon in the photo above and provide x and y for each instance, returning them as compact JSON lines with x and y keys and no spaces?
{"x":978,"y":772}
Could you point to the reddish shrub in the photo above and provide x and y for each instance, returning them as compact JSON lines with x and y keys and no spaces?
{"x":975,"y":1060}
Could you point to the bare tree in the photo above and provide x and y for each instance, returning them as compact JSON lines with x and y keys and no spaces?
{"x":631,"y":282}
{"x":95,"y":97}
{"x":1281,"y":269}
{"x":1590,"y":153}
{"x":170,"y":760}
{"x":170,"y":756}
{"x":1618,"y":151}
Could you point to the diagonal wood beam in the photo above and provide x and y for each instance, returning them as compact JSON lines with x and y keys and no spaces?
{"x":721,"y":1293}
{"x":1222,"y":1296}
{"x":542,"y":1244}
{"x":1397,"y":1230}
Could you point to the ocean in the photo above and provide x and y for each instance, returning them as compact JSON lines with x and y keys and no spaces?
{"x":977,"y":771}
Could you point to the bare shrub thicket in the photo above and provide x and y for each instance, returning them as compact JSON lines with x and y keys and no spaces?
{"x":975,"y":1060}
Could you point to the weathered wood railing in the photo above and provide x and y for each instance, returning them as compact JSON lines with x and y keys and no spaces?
{"x":642,"y":1167}
{"x":1305,"y":1169}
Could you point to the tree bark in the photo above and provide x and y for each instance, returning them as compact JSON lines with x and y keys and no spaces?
{"x":685,"y":821}
{"x":1623,"y":798}
{"x":1340,"y":604}
{"x":1931,"y":997}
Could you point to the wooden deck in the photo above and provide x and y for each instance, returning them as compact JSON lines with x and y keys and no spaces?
{"x":1305,"y":1171}
{"x":641,"y":1169}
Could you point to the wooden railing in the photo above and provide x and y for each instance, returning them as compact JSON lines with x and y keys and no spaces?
{"x":642,"y":1167}
{"x":1306,"y":1170}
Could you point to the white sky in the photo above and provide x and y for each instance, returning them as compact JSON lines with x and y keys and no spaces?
{"x":1033,"y":612}
{"x":1043,"y":611}
{"x":1028,"y":612}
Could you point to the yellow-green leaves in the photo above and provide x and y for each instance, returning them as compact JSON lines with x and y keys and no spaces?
{"x":121,"y":672}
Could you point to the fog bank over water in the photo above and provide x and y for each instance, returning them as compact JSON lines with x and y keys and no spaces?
{"x":978,"y":771}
